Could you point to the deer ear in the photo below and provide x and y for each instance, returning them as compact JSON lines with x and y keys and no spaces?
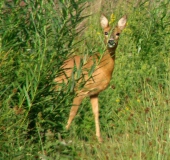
{"x":122,"y":22}
{"x":104,"y":21}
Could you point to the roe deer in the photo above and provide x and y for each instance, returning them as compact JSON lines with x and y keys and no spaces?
{"x":101,"y":76}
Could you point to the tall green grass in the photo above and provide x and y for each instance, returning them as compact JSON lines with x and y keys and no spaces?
{"x":134,"y":110}
{"x":35,"y":40}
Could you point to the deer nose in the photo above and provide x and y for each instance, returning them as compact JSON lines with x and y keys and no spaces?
{"x":111,"y":42}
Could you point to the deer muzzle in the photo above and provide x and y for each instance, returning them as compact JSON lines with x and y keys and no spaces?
{"x":111,"y":43}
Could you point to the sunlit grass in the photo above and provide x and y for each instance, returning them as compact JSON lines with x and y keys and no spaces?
{"x":134,"y":110}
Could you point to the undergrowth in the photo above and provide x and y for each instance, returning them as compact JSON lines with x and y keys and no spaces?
{"x":37,"y":36}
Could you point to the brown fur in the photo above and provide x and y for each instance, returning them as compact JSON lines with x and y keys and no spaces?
{"x":100,"y":78}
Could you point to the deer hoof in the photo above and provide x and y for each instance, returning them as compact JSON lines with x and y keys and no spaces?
{"x":100,"y":139}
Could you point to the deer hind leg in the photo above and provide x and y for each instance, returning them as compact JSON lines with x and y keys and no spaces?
{"x":76,"y":103}
{"x":95,"y":108}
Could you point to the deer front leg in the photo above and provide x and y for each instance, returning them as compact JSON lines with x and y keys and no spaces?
{"x":76,"y":103}
{"x":95,"y":108}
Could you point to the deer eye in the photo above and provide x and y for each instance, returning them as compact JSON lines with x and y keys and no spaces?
{"x":106,"y":33}
{"x":117,"y":34}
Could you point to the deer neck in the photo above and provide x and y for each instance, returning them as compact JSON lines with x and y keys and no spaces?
{"x":112,"y":52}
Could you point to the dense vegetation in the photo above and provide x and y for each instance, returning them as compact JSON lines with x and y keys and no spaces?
{"x":37,"y":36}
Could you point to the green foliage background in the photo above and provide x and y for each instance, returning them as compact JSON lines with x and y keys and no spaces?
{"x":37,"y":36}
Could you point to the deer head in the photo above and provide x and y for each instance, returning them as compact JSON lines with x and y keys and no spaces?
{"x":112,"y":35}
